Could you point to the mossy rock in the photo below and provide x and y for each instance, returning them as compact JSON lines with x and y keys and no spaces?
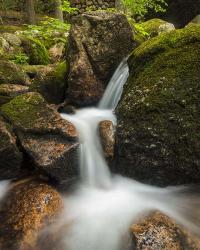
{"x":11,"y":73}
{"x":52,"y":84}
{"x":158,"y":134}
{"x":38,"y":54}
{"x":10,"y":28}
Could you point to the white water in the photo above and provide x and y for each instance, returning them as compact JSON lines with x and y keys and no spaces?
{"x":3,"y":188}
{"x":98,"y":215}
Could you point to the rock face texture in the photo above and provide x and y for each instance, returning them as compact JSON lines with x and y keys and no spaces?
{"x":85,"y":5}
{"x":10,"y":156}
{"x":160,"y":232}
{"x":97,"y":44}
{"x":27,"y":209}
{"x":48,"y":140}
{"x":12,"y":73}
{"x":158,"y":115}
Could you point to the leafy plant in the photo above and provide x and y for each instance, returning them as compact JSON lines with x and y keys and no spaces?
{"x":141,"y":7}
{"x":49,"y":31}
{"x":65,"y":7}
{"x":20,"y":59}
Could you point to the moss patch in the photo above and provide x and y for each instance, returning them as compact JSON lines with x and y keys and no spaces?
{"x":160,"y":110}
{"x":38,"y":54}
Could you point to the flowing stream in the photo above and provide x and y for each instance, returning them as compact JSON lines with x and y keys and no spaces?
{"x":104,"y":206}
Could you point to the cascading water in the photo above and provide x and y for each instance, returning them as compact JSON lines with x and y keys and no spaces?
{"x":104,"y":206}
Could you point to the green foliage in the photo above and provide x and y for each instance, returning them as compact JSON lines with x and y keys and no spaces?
{"x":141,"y":7}
{"x":67,"y":8}
{"x":49,"y":31}
{"x":20,"y":59}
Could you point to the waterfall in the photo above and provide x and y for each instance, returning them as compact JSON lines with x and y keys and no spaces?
{"x":103,"y":206}
{"x":114,"y":90}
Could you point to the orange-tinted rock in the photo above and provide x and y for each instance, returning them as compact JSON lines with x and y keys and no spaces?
{"x":28,"y":208}
{"x":107,"y":131}
{"x":158,"y":232}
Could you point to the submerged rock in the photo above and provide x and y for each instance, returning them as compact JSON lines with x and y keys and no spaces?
{"x":11,"y":73}
{"x":51,"y":83}
{"x":10,"y":156}
{"x":158,"y":130}
{"x":97,"y":44}
{"x":49,"y":141}
{"x":26,"y":210}
{"x":159,"y":232}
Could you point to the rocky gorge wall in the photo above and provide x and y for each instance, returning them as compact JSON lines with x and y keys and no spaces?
{"x":84,"y":5}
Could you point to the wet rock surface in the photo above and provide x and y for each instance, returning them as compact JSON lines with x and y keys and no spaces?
{"x":26,"y":210}
{"x":158,"y":232}
{"x":49,"y":141}
{"x":10,"y":156}
{"x":97,"y":44}
{"x":107,"y":135}
{"x":158,"y":115}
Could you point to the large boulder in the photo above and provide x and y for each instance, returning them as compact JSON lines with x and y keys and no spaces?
{"x":158,"y":130}
{"x":11,"y":73}
{"x":11,"y":157}
{"x":158,"y":231}
{"x":27,"y":209}
{"x":48,"y":140}
{"x":97,"y":44}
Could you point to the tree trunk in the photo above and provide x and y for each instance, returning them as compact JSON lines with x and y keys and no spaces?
{"x":58,"y":11}
{"x":30,"y":11}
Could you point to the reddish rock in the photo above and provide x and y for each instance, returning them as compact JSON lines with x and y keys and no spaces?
{"x":107,"y":135}
{"x":27,"y":209}
{"x":158,"y":232}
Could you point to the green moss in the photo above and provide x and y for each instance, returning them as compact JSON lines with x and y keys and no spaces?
{"x":160,"y":110}
{"x":25,"y":110}
{"x":38,"y":54}
{"x":152,"y":26}
{"x":11,"y":73}
{"x":52,"y":85}
{"x":10,"y":28}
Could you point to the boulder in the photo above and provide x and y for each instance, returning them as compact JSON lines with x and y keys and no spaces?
{"x":27,"y":209}
{"x":57,"y":52}
{"x":11,"y":157}
{"x":12,"y":39}
{"x":159,"y":232}
{"x":196,"y":19}
{"x":98,"y":41}
{"x":51,"y":84}
{"x":156,"y":26}
{"x":36,"y":51}
{"x":107,"y":135}
{"x":158,"y":116}
{"x":11,"y":73}
{"x":9,"y":91}
{"x":48,"y":140}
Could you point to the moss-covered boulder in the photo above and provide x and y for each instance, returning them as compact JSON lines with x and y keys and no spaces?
{"x":10,"y":155}
{"x":27,"y":209}
{"x":11,"y":73}
{"x":38,"y":54}
{"x":158,"y":138}
{"x":52,"y":83}
{"x":156,"y":26}
{"x":49,"y":141}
